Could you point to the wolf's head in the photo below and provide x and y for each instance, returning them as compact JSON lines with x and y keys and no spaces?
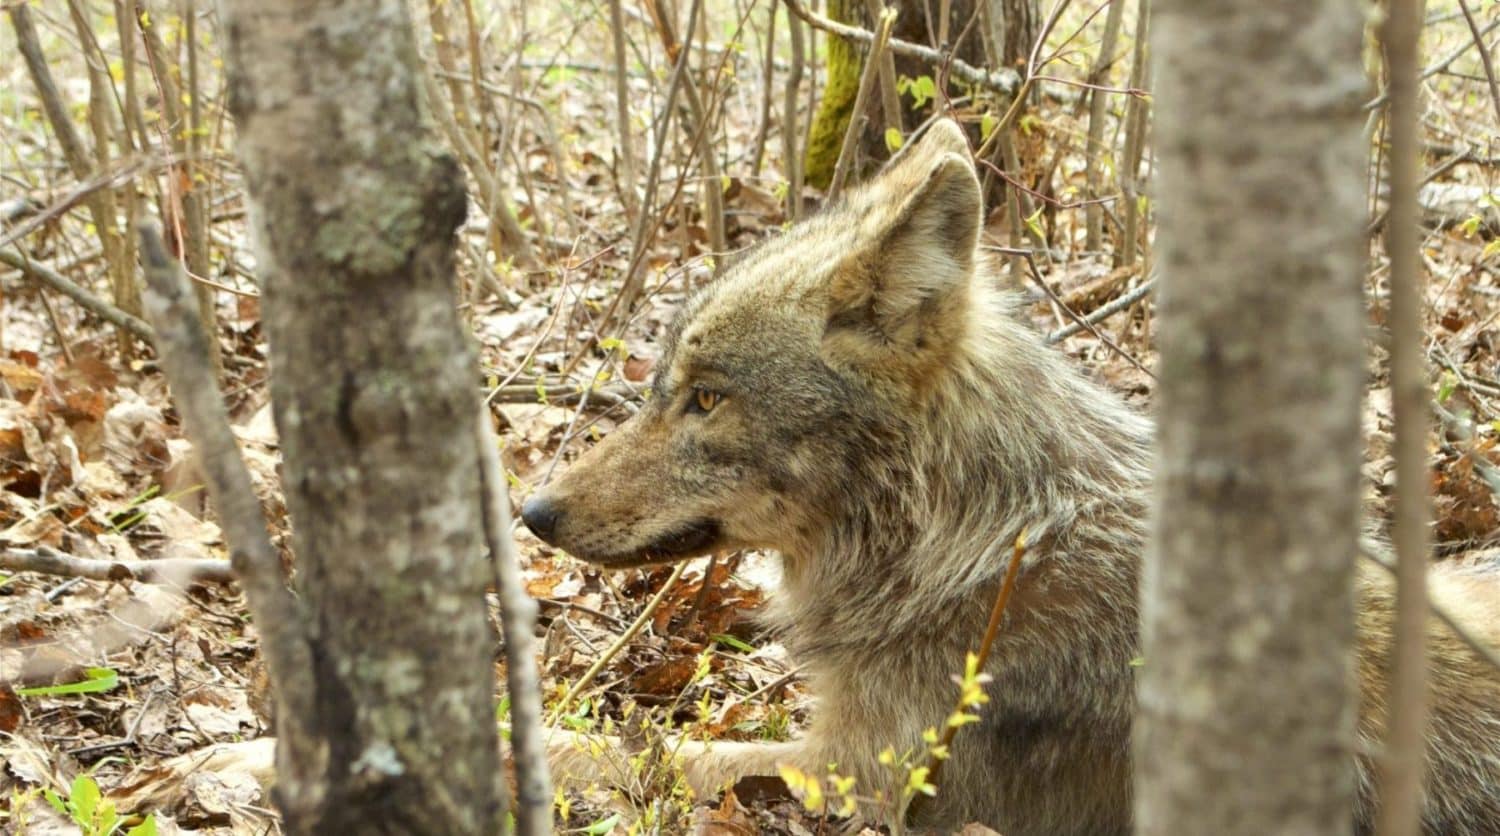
{"x":783,"y":380}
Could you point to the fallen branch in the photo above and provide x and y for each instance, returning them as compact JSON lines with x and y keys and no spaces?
{"x":565,"y":394}
{"x":1036,"y":276}
{"x":174,"y":571}
{"x":93,"y":304}
{"x":1124,"y":301}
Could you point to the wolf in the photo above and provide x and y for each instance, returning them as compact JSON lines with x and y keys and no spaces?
{"x":858,"y":396}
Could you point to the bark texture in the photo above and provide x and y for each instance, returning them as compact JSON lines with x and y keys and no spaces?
{"x":354,"y":207}
{"x":1015,"y":27}
{"x":1246,"y":712}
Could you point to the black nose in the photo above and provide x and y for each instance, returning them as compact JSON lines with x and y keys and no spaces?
{"x":541,"y":516}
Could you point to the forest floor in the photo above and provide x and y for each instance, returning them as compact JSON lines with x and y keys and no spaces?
{"x":113,"y":679}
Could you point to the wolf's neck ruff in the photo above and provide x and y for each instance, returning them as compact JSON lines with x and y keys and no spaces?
{"x":1007,"y":435}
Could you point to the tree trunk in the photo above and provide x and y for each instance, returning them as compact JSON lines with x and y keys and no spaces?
{"x":354,"y":209}
{"x":917,"y":21}
{"x":1014,"y":27}
{"x":1246,"y":715}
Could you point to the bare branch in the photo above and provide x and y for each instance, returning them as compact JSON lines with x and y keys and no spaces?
{"x":1002,"y":81}
{"x":182,"y":350}
{"x":518,"y":620}
{"x":1484,"y":54}
{"x":176,"y":571}
{"x":1105,"y":312}
{"x":95,"y":305}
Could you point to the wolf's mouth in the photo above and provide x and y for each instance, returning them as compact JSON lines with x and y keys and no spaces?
{"x":691,"y":540}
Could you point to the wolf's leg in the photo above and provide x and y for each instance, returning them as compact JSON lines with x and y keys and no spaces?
{"x":710,"y":766}
{"x":579,"y":759}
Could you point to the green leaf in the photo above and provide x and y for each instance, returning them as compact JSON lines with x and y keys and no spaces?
{"x":96,"y":680}
{"x":922,"y":90}
{"x":84,"y":798}
{"x":106,"y":820}
{"x":1446,"y":386}
{"x":1034,"y":223}
{"x":893,"y":140}
{"x":145,"y":828}
{"x":602,"y":826}
{"x":987,"y":124}
{"x":733,"y":642}
{"x":55,"y":800}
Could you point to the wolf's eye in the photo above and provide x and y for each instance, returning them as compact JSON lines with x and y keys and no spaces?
{"x":704,"y":400}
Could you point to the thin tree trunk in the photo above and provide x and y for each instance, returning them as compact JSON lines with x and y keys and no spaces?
{"x":1095,"y":150}
{"x":354,"y":207}
{"x":1405,"y":757}
{"x":1246,"y":714}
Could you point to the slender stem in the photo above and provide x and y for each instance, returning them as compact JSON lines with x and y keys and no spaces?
{"x":857,"y":114}
{"x":1405,"y":761}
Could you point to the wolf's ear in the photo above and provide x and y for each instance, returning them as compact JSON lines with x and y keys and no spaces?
{"x":914,"y":257}
{"x":942,"y":137}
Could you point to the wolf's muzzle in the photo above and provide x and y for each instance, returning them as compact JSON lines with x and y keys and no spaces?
{"x":541,"y":516}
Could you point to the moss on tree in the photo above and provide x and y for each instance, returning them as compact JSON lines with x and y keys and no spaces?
{"x":832,"y":119}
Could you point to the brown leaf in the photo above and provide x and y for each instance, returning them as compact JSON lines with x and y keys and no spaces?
{"x":10,"y":709}
{"x":637,"y":369}
{"x":22,"y":379}
{"x":667,"y":677}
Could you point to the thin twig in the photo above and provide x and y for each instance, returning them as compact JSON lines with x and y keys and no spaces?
{"x":857,"y":114}
{"x":646,"y":221}
{"x":613,"y":650}
{"x":1484,"y":54}
{"x":934,"y":763}
{"x":1104,"y":312}
{"x":1441,"y":65}
{"x":518,"y":620}
{"x":698,"y":124}
{"x":890,"y":95}
{"x":767,"y":92}
{"x":182,"y":202}
{"x":622,"y":113}
{"x":176,"y":571}
{"x":1135,"y":140}
{"x":1036,"y":276}
{"x":1094,"y":214}
{"x":791,"y":155}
